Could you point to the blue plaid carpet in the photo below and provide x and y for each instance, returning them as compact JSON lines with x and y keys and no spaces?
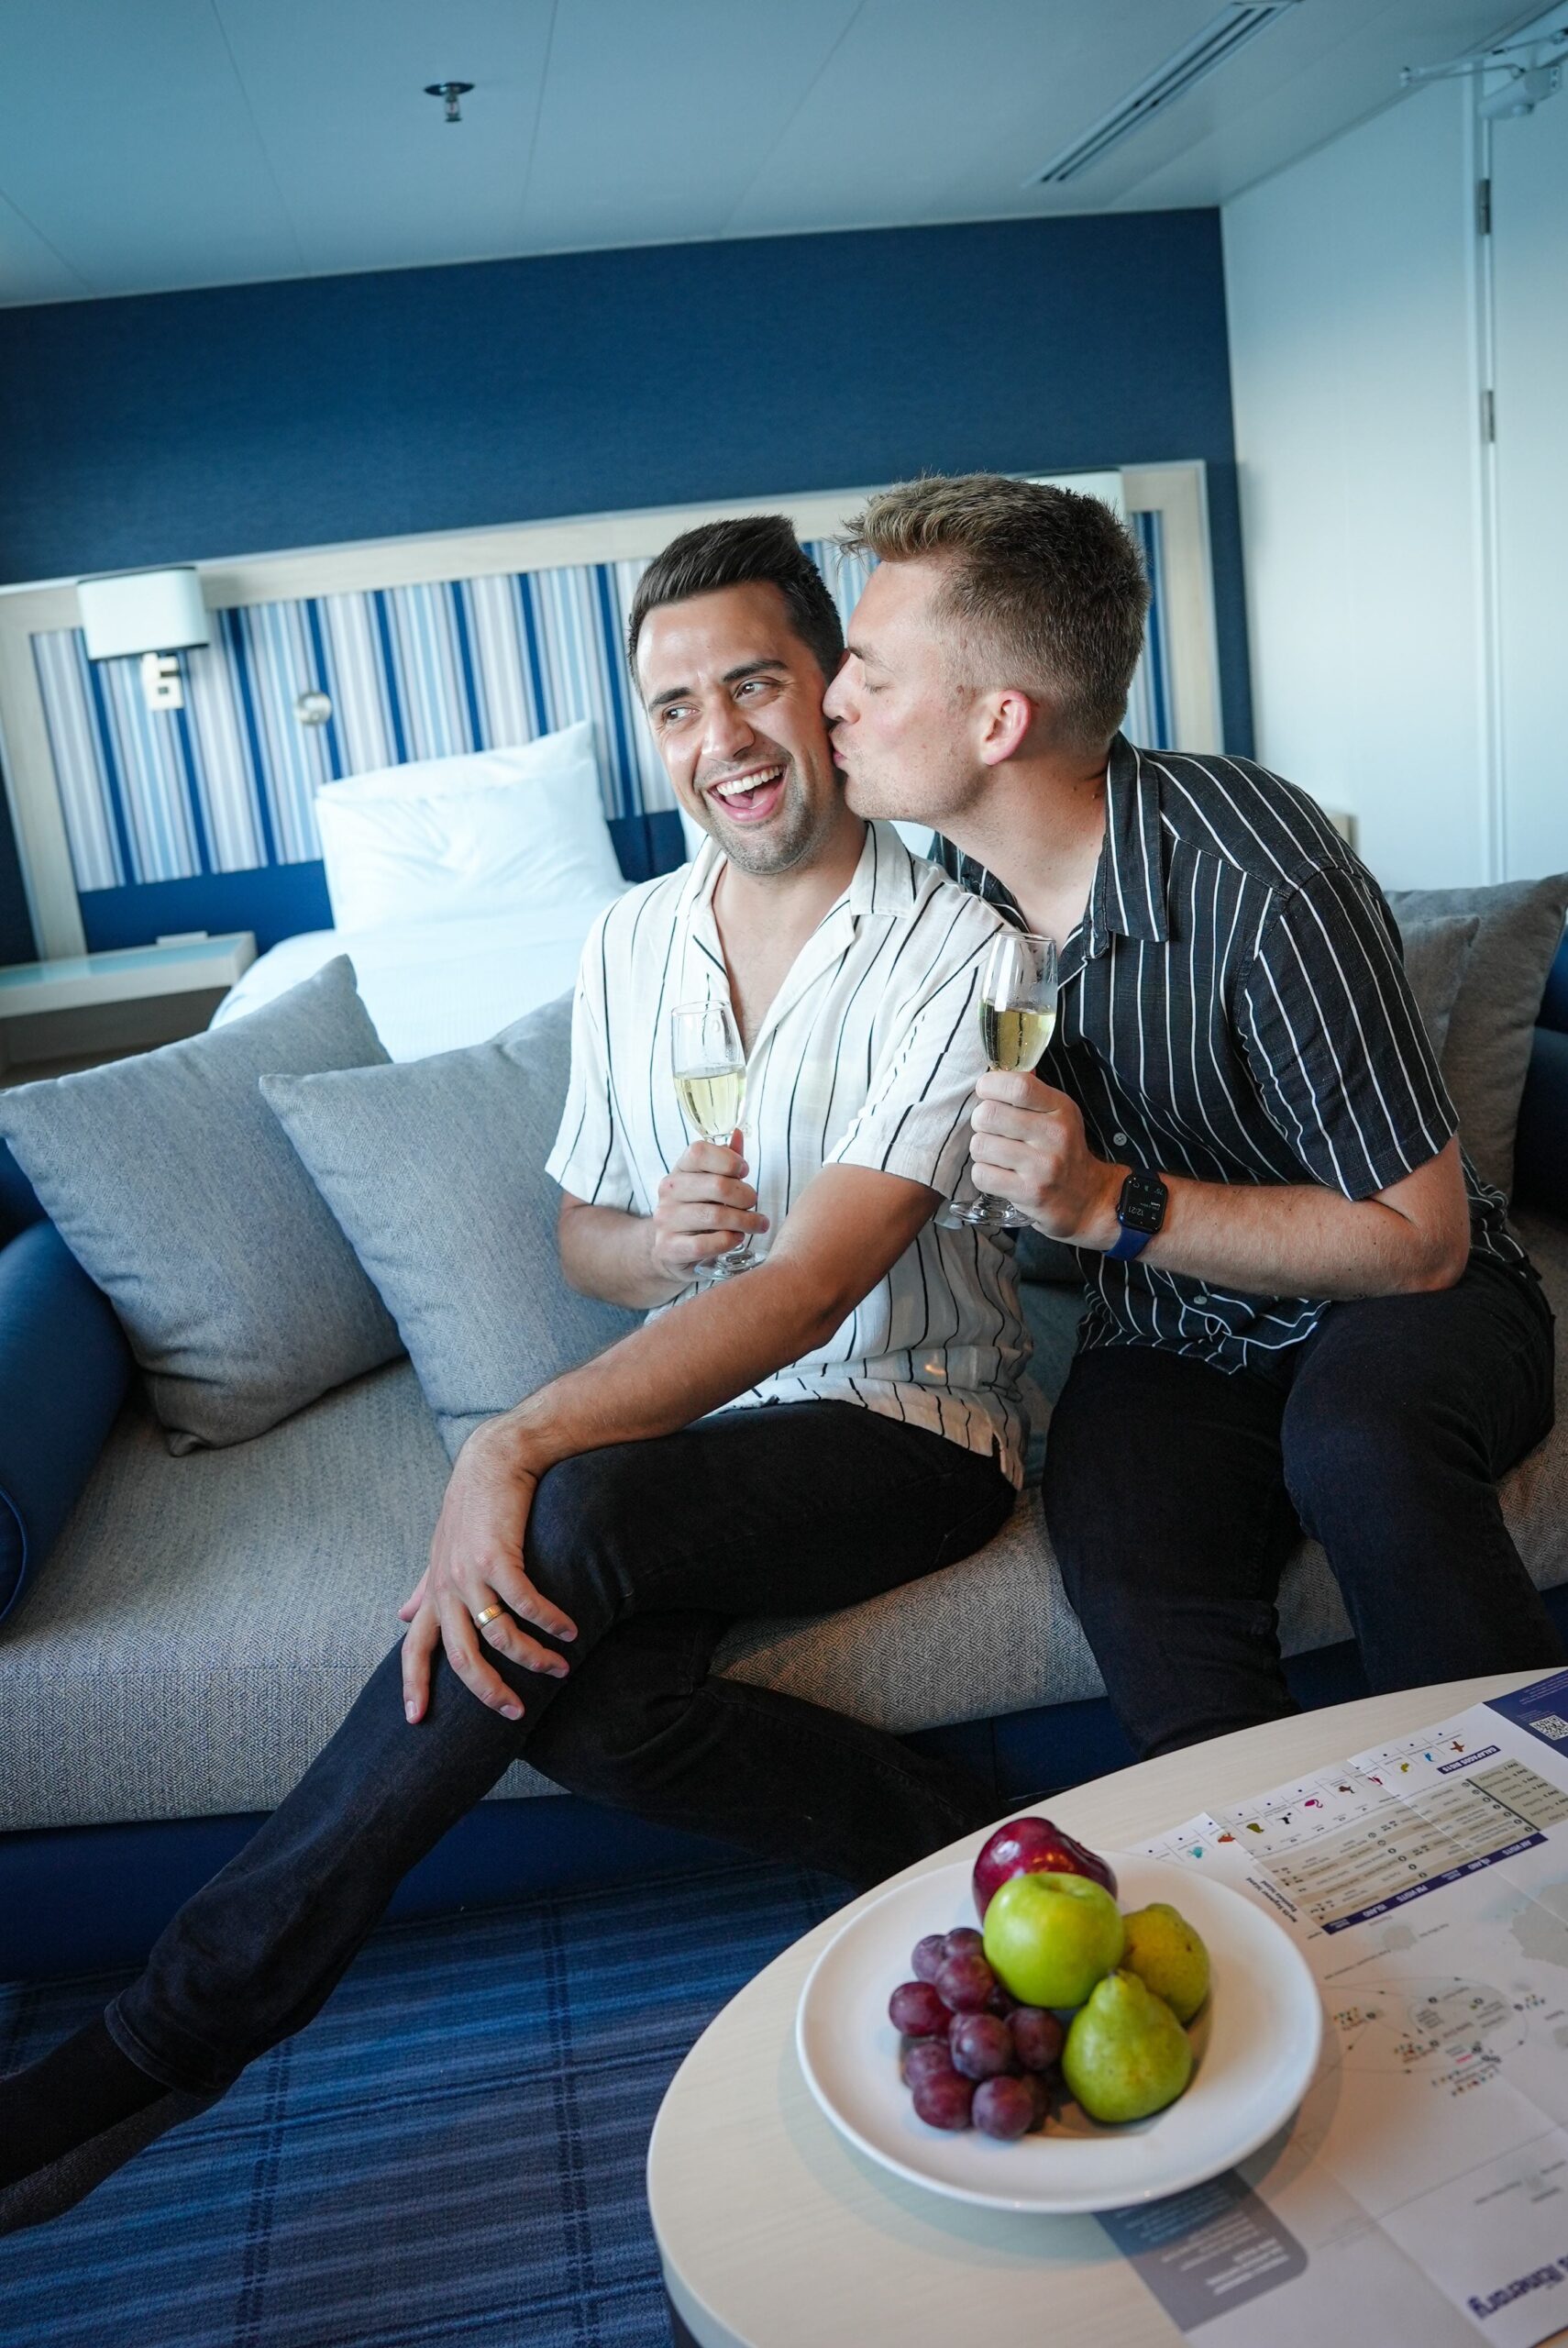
{"x":452,"y":2152}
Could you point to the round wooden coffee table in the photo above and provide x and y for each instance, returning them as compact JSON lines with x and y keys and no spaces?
{"x":776,"y":2233}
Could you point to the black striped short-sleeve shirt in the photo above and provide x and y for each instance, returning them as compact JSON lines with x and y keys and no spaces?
{"x":1234,"y":1008}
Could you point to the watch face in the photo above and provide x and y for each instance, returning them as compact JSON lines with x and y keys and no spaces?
{"x":1142,"y":1206}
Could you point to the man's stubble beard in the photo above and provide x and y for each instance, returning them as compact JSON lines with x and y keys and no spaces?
{"x":789,"y":843}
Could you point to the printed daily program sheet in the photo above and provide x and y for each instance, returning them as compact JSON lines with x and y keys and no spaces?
{"x":1421,"y":2193}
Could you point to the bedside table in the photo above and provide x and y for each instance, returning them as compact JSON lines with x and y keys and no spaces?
{"x":56,"y":1016}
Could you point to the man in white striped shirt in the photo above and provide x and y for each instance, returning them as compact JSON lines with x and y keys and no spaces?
{"x":1305,"y":1310}
{"x":839,"y":1419}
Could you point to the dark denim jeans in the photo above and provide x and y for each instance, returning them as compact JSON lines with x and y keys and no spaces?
{"x":1174,"y":1493}
{"x":651,"y":1548}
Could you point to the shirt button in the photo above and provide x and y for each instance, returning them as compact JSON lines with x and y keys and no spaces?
{"x":1119,"y":1139}
{"x":1202,"y":1303}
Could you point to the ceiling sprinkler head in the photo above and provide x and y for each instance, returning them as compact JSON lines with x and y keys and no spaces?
{"x":453,"y":93}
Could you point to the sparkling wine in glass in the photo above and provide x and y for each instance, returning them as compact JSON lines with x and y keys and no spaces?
{"x":1018,"y":1019}
{"x":710,"y":1084}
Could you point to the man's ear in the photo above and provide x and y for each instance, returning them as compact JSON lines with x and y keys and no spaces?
{"x":1006,"y":718}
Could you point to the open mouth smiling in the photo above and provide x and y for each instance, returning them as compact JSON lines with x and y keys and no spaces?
{"x":749,"y":798}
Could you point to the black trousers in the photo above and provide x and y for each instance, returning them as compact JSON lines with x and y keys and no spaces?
{"x":651,"y":1548}
{"x":1175,"y":1491}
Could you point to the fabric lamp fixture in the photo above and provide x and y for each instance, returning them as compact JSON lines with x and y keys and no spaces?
{"x":154,"y":613}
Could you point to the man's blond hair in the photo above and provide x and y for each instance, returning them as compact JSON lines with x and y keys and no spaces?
{"x":1043,"y":589}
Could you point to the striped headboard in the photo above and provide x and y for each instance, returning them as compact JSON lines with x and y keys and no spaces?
{"x":227,"y":784}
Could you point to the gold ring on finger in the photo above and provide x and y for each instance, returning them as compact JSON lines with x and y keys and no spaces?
{"x":489,"y":1615}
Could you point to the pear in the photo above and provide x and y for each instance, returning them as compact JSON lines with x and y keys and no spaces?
{"x":1168,"y":1957}
{"x":1126,"y":2054}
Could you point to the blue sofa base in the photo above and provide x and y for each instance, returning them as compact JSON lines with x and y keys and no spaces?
{"x":83,"y":1900}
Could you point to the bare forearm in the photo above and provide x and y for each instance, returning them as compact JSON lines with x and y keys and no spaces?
{"x":713,"y":1348}
{"x":1297,"y":1239}
{"x":608,"y":1253}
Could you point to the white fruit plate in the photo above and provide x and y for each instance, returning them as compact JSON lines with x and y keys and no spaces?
{"x":1257,"y":2042}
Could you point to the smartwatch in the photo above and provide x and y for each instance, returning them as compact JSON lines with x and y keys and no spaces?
{"x":1140,"y":1210}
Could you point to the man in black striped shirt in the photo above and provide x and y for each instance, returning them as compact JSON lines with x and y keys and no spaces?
{"x":1305,"y":1307}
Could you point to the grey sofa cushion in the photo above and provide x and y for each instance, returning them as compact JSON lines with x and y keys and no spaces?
{"x":1436,"y":953}
{"x":213,"y":1619}
{"x":169,"y":1183}
{"x":436,"y":1170}
{"x":205,"y":1623}
{"x":1486,"y":1056}
{"x":889,"y":1661}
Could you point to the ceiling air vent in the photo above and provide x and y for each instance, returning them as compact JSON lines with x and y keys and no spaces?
{"x":1218,"y":40}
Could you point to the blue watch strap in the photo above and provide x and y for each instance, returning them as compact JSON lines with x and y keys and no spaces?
{"x":1131,"y":1243}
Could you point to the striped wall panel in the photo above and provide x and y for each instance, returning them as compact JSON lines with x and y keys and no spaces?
{"x":227,"y":783}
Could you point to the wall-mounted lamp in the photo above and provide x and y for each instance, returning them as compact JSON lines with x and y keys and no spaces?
{"x":154,"y":613}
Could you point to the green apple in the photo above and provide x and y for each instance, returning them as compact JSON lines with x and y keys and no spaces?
{"x":1126,"y":2055}
{"x":1052,"y":1937}
{"x":1168,"y":1957}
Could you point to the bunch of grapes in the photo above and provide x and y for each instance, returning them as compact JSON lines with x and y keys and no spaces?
{"x":972,"y":2056}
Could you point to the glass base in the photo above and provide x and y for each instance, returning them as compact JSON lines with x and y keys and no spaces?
{"x":724,"y":1267}
{"x":982,"y":1214}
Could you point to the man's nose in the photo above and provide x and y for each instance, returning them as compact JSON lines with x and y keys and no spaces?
{"x":726,"y":733}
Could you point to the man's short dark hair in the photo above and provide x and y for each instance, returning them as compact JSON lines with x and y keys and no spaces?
{"x":738,"y":553}
{"x":1044,"y":588}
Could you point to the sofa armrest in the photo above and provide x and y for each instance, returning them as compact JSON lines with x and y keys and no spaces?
{"x":19,"y":1203}
{"x":64,"y":1368}
{"x":1540,"y":1152}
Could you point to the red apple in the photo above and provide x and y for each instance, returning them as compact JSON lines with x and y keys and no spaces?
{"x":1031,"y":1846}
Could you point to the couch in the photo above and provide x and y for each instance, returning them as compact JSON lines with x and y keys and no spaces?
{"x":193,"y":1628}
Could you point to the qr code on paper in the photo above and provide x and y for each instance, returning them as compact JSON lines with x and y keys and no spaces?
{"x":1553,"y":1725}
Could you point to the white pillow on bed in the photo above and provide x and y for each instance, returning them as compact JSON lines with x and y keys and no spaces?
{"x":496,"y":832}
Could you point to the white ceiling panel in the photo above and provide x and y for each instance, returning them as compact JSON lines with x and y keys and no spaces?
{"x":922,"y":97}
{"x":148,"y":145}
{"x":31,"y":270}
{"x":126,"y":140}
{"x":372,"y":173}
{"x":656,"y":117}
{"x":1295,"y":88}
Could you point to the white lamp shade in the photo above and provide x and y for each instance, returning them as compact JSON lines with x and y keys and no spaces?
{"x":142,"y":611}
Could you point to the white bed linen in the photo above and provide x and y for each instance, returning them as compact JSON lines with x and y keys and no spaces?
{"x":433,"y":986}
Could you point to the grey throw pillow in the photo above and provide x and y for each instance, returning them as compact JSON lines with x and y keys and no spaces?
{"x":1435,"y":955}
{"x":1491,"y":1028}
{"x":436,"y":1170}
{"x":169,"y":1183}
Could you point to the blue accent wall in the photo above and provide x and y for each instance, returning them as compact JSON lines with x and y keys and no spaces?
{"x":179,"y":427}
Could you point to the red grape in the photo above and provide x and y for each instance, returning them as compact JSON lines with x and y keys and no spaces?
{"x":923,"y":2057}
{"x":1003,"y":2106}
{"x":926,"y":1962}
{"x":916,"y":2010}
{"x":1036,"y":2037}
{"x":981,"y":2045}
{"x":944,"y":2100}
{"x":963,"y":1941}
{"x":964,"y":1983}
{"x":1001,"y":2001}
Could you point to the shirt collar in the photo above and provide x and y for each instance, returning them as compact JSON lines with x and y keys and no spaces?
{"x":1128,"y":899}
{"x":1126,"y":895}
{"x":884,"y":879}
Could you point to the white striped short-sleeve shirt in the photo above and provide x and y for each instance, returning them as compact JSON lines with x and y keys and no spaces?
{"x":867,"y":1056}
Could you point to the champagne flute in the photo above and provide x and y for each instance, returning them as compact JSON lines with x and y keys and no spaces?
{"x":1018,"y":1019}
{"x":710,"y":1083}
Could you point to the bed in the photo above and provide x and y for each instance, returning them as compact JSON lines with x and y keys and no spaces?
{"x":462,"y":889}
